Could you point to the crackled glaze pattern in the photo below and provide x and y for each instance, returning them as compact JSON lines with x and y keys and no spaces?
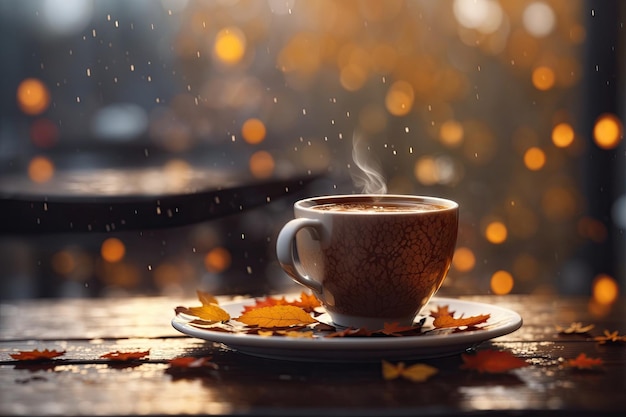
{"x":383,"y":265}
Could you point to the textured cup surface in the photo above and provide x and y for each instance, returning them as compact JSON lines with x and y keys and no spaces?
{"x":372,"y":259}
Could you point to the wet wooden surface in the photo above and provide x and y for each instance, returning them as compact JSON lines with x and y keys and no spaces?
{"x":80,"y":383}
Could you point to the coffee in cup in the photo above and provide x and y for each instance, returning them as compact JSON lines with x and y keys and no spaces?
{"x":370,"y":259}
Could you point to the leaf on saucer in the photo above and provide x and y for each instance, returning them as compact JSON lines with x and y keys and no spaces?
{"x":276,"y":316}
{"x":445,"y":318}
{"x":492,"y":361}
{"x":205,"y":298}
{"x":36,"y":355}
{"x":268,"y":301}
{"x":209,"y":312}
{"x":307,"y":302}
{"x":582,"y":362}
{"x":417,"y":373}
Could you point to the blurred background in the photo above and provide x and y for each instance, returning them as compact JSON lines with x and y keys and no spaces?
{"x":515,"y":109}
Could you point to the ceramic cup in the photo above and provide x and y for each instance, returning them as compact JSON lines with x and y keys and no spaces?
{"x":370,"y":259}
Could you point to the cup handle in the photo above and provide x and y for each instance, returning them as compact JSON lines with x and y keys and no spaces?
{"x":287,"y":252}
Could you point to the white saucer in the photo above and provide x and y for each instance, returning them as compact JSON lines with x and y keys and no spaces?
{"x":364,"y":349}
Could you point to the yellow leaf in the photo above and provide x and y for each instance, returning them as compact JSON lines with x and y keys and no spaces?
{"x":206,"y":298}
{"x":276,"y":316}
{"x":294,"y":334}
{"x":417,"y":373}
{"x":210,"y":312}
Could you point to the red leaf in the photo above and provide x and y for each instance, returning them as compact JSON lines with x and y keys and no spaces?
{"x":125,"y":356}
{"x":36,"y":355}
{"x":192,"y":362}
{"x":492,"y":361}
{"x":582,"y":361}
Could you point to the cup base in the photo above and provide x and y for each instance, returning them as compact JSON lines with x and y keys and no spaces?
{"x":371,"y":323}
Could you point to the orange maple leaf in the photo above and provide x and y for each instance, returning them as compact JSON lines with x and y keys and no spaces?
{"x":276,"y":316}
{"x":417,"y":373}
{"x":125,"y":356}
{"x":492,"y":361}
{"x":575,"y":328}
{"x":36,"y":355}
{"x":307,"y":302}
{"x":268,"y":301}
{"x":449,"y":321}
{"x":610,"y":337}
{"x":582,"y":361}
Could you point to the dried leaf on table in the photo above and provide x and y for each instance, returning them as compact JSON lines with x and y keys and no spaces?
{"x":492,"y":361}
{"x":192,"y":362}
{"x":575,"y":328}
{"x":610,"y":338}
{"x":583,"y":362}
{"x":125,"y":356}
{"x":417,"y":373}
{"x":276,"y":316}
{"x":36,"y":355}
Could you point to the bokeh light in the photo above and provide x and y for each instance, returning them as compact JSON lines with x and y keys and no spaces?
{"x":464,"y":259}
{"x":543,"y":78}
{"x":262,"y":164}
{"x":399,"y":99}
{"x":496,"y":232}
{"x":605,"y":289}
{"x":40,"y":169}
{"x":33,"y":97}
{"x":253,"y":131}
{"x":534,"y":158}
{"x":230,"y":45}
{"x":563,"y":135}
{"x":112,"y":250}
{"x":217,"y":260}
{"x":501,"y":282}
{"x":608,"y":131}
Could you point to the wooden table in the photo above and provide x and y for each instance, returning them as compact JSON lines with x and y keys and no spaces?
{"x":81,"y":383}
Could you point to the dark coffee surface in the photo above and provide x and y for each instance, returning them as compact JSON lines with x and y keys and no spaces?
{"x":375,"y":207}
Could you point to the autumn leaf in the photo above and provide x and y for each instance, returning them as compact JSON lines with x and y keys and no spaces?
{"x":125,"y":356}
{"x":36,"y":355}
{"x":417,"y":373}
{"x":205,"y":298}
{"x":610,"y":338}
{"x":307,"y":302}
{"x":582,"y":361}
{"x":575,"y":328}
{"x":294,"y":334}
{"x":449,"y":321}
{"x":265,"y":302}
{"x":192,"y":362}
{"x":276,"y":316}
{"x":209,"y":312}
{"x":492,"y":361}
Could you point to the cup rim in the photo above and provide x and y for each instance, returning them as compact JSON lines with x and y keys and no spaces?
{"x":308,"y":203}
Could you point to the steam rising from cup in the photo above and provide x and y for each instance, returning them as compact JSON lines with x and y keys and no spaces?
{"x":369,"y":178}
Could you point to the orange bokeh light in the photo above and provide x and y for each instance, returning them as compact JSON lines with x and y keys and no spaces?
{"x":534,"y":158}
{"x":112,"y":250}
{"x":608,"y":131}
{"x":563,"y":135}
{"x":543,"y":78}
{"x":262,"y":164}
{"x":501,"y":282}
{"x":40,"y":169}
{"x":33,"y":97}
{"x":464,"y":259}
{"x":230,"y":45}
{"x":496,"y":232}
{"x":605,"y":289}
{"x":217,"y":260}
{"x":253,"y":131}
